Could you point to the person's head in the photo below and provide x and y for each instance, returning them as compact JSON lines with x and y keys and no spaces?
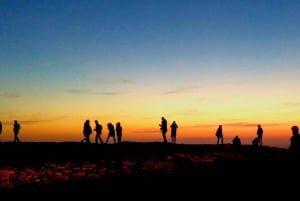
{"x":96,"y":121}
{"x":258,"y":125}
{"x":295,"y":130}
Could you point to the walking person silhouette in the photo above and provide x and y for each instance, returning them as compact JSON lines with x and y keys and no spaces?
{"x":87,"y":131}
{"x":16,"y":129}
{"x":174,"y":127}
{"x":164,"y":128}
{"x":98,"y":129}
{"x":219,"y":134}
{"x":111,"y":132}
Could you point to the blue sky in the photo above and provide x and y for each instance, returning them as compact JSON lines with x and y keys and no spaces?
{"x":58,"y":54}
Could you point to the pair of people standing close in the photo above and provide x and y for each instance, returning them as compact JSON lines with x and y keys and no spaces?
{"x":112,"y":132}
{"x":164,"y":129}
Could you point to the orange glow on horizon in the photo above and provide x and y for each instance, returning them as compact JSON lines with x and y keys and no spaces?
{"x":72,"y":131}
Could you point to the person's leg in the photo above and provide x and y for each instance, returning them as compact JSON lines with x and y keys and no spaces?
{"x":165,"y":137}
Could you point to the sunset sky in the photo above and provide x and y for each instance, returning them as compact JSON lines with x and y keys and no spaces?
{"x":200,"y":63}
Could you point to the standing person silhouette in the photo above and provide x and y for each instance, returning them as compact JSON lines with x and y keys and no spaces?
{"x":294,"y":148}
{"x":111,"y":132}
{"x":259,"y":133}
{"x":219,"y":134}
{"x":164,"y":128}
{"x":0,"y":127}
{"x":98,"y":130}
{"x":16,"y":129}
{"x":87,"y":131}
{"x":173,"y":127}
{"x":119,"y":132}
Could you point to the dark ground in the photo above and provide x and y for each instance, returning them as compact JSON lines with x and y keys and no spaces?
{"x":151,"y":170}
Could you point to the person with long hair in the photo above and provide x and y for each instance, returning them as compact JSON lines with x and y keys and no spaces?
{"x":111,"y":132}
{"x":87,"y":131}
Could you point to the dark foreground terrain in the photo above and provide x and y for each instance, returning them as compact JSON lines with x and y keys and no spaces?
{"x":145,"y":170}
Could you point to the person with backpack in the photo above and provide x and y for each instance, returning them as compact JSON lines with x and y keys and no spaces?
{"x":98,"y":130}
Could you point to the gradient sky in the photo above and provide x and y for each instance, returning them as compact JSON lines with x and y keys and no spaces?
{"x":200,"y":63}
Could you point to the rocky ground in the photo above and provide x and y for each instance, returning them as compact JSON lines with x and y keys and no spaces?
{"x":143,"y":170}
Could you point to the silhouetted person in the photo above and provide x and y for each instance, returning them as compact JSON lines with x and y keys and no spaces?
{"x":111,"y":132}
{"x":174,"y":127}
{"x":259,"y":133}
{"x":16,"y":129}
{"x":236,"y":141}
{"x":219,"y":134}
{"x":164,"y":128}
{"x":87,"y":131}
{"x":98,"y":130}
{"x":119,"y":132}
{"x":0,"y":127}
{"x":294,"y":149}
{"x":257,"y":142}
